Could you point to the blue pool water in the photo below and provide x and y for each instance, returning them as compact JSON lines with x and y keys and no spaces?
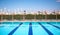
{"x":30,"y":28}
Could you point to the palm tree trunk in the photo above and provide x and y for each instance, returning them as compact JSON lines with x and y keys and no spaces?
{"x":24,"y":15}
{"x":35,"y":17}
{"x":45,"y":15}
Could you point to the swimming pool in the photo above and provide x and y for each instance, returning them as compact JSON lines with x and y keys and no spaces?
{"x":29,"y":28}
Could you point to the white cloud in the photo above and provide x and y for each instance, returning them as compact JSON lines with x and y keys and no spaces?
{"x":58,"y":1}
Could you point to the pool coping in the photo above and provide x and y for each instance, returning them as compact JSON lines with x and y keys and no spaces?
{"x":30,"y":21}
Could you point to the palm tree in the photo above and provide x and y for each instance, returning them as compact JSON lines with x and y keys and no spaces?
{"x":54,"y":13}
{"x":56,"y":16}
{"x":8,"y":11}
{"x":45,"y":14}
{"x":12,"y":14}
{"x":42,"y":14}
{"x":1,"y":14}
{"x":57,"y":12}
{"x":39,"y":12}
{"x":24,"y":14}
{"x":35,"y":16}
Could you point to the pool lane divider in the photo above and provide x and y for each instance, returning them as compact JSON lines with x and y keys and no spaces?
{"x":49,"y":33}
{"x":30,"y":29}
{"x":11,"y":33}
{"x":53,"y":25}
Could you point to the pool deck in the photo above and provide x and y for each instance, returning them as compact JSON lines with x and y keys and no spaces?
{"x":30,"y":21}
